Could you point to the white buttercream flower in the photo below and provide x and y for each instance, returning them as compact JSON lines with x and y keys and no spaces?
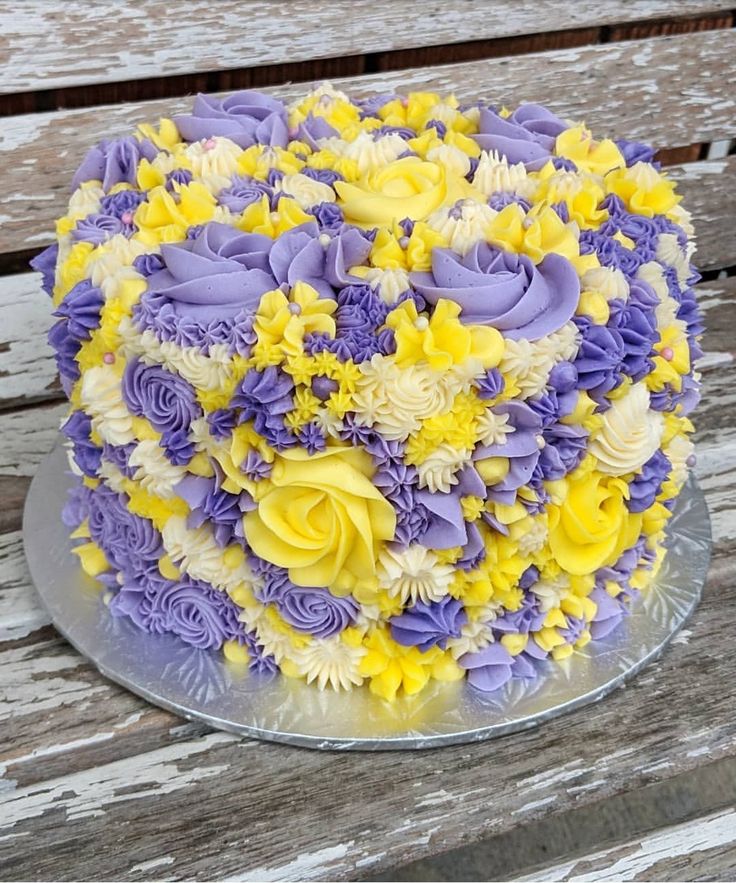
{"x":396,"y":399}
{"x":85,"y":200}
{"x":413,"y":574}
{"x":670,"y":252}
{"x":217,"y":157}
{"x":367,"y":152}
{"x":452,"y":159}
{"x":112,"y":475}
{"x":608,"y":281}
{"x":474,"y":636}
{"x":653,"y":274}
{"x":493,"y":428}
{"x":154,"y":470}
{"x":678,"y":451}
{"x":102,"y":399}
{"x":330,"y":662}
{"x":534,"y":536}
{"x":463,"y":224}
{"x":494,"y":175}
{"x":112,"y":264}
{"x":391,"y":283}
{"x":198,"y":554}
{"x":551,"y":591}
{"x":438,"y":471}
{"x":629,"y":433}
{"x":306,"y":191}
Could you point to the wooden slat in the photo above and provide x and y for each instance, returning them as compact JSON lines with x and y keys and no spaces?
{"x":81,"y":44}
{"x":84,"y":760}
{"x":700,"y":849}
{"x":668,"y":91}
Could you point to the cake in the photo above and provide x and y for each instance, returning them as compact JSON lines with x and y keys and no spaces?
{"x":373,"y":392}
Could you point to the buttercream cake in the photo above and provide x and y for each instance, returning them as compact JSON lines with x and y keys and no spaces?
{"x":376,"y":391}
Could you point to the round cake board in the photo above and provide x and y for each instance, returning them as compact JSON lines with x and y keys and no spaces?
{"x":203,"y":685}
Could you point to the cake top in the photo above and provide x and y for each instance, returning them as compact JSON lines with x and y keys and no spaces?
{"x":406,"y":353}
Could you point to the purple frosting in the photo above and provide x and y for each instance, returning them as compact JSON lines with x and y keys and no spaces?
{"x":45,"y":264}
{"x":244,"y":117}
{"x":195,"y":613}
{"x":425,"y":625}
{"x":528,"y":135}
{"x":489,"y":668}
{"x":599,"y":358}
{"x":87,"y":455}
{"x":81,"y":309}
{"x":124,"y":537}
{"x":242,"y":192}
{"x":447,"y":527}
{"x":316,"y":611}
{"x":166,"y":399}
{"x":114,"y":162}
{"x":634,"y":151}
{"x":216,"y":274}
{"x":210,"y":504}
{"x":264,"y":397}
{"x":607,"y":616}
{"x":97,"y":228}
{"x":648,"y":483}
{"x":504,"y":290}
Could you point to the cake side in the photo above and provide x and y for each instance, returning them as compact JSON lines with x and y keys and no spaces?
{"x":378,"y":391}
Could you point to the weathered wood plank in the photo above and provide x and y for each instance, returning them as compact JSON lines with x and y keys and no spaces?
{"x":83,"y":757}
{"x":655,"y":90}
{"x":700,"y":849}
{"x":84,"y":44}
{"x":27,"y":367}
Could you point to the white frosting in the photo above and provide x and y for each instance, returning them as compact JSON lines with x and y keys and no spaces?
{"x":330,"y":662}
{"x":85,"y":200}
{"x":395,"y":400}
{"x":196,"y":552}
{"x":629,"y":433}
{"x":464,"y":231}
{"x":217,"y":157}
{"x":608,"y":281}
{"x":111,"y":264}
{"x":437,"y":471}
{"x":534,"y":536}
{"x":306,"y":191}
{"x":678,"y":450}
{"x":367,"y":152}
{"x":670,"y":252}
{"x":474,"y":636}
{"x":530,"y":362}
{"x":102,"y":398}
{"x":391,"y":283}
{"x":452,"y":159}
{"x":551,"y":591}
{"x":494,"y":175}
{"x":493,"y":428}
{"x":413,"y":574}
{"x":156,"y":473}
{"x":653,"y":274}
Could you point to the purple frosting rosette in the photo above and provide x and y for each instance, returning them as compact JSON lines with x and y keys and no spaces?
{"x":504,"y":290}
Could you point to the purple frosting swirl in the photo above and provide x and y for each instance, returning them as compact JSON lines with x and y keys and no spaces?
{"x":503,"y":290}
{"x":244,"y":117}
{"x":528,"y":135}
{"x":316,"y":611}
{"x":425,"y":625}
{"x":242,"y":192}
{"x":114,"y":162}
{"x":489,"y":668}
{"x":194,"y":613}
{"x":87,"y":455}
{"x":216,"y":274}
{"x":647,"y":484}
{"x":166,"y":399}
{"x":45,"y":264}
{"x":97,"y":228}
{"x":125,"y":538}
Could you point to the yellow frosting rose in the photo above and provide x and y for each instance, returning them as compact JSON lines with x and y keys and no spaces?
{"x":323,"y":518}
{"x":592,"y":526}
{"x":405,"y":188}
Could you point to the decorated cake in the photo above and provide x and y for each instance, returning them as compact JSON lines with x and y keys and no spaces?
{"x":373,"y":392}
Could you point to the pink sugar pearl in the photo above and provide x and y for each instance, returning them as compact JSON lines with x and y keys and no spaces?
{"x":109,"y":358}
{"x":127,"y":217}
{"x":210,"y":144}
{"x":667,"y":353}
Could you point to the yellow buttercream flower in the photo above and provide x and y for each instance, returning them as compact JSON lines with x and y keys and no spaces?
{"x":643,"y":189}
{"x":589,"y":155}
{"x":322,"y":518}
{"x":391,"y":666}
{"x":258,"y":160}
{"x":258,"y":217}
{"x":166,"y":137}
{"x":672,"y":360}
{"x":388,"y":253}
{"x":535,"y":233}
{"x":580,"y":192}
{"x":405,"y":188}
{"x":281,"y":322}
{"x":592,"y":526}
{"x":443,"y":340}
{"x":165,"y":217}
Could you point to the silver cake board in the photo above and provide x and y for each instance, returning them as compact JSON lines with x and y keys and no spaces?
{"x":203,"y":685}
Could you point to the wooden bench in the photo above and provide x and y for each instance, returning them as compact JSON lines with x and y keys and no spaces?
{"x":97,"y":784}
